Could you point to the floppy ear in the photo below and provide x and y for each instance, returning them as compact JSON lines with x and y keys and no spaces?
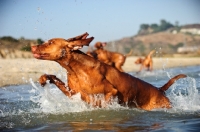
{"x":78,"y":42}
{"x":83,"y":36}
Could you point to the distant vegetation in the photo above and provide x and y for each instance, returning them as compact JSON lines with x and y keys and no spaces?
{"x":9,"y":38}
{"x":154,"y":28}
{"x":164,"y":37}
{"x":40,"y":41}
{"x":8,"y":42}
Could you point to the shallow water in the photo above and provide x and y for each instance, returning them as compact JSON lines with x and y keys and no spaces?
{"x":34,"y":108}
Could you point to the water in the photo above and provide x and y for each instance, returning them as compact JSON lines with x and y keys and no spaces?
{"x":34,"y":108}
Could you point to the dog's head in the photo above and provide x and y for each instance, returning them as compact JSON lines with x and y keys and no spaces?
{"x":100,"y":45}
{"x":56,"y":48}
{"x":139,"y":61}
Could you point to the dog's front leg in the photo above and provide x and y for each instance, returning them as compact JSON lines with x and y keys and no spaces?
{"x":53,"y":79}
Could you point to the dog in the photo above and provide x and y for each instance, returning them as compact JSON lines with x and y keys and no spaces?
{"x":91,"y":53}
{"x":81,"y":68}
{"x":88,"y":76}
{"x":115,"y":59}
{"x":147,"y":62}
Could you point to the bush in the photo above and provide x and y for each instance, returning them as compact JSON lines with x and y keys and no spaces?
{"x":9,"y":38}
{"x":40,"y":41}
{"x":164,"y":25}
{"x":26,"y":48}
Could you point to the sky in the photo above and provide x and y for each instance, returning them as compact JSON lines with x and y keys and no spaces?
{"x":106,"y":20}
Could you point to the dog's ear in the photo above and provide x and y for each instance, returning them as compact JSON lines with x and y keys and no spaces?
{"x":82,"y":36}
{"x":78,"y":42}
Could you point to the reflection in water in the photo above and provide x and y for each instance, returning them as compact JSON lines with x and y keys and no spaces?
{"x":32,"y":107}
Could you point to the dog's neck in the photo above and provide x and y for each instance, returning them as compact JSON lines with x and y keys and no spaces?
{"x":76,"y":58}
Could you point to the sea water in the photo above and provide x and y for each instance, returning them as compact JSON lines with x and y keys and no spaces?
{"x":31,"y":107}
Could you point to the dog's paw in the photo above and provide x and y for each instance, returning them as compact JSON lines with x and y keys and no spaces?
{"x":43,"y":79}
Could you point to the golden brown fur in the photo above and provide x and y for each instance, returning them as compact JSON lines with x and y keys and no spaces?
{"x":111,"y":58}
{"x":147,"y":62}
{"x":89,"y":76}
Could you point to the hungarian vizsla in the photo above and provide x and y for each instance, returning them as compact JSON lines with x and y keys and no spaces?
{"x":147,"y":62}
{"x":91,"y":53}
{"x":88,"y":76}
{"x":111,"y":58}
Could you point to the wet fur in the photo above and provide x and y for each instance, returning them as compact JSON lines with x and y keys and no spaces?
{"x":88,"y":76}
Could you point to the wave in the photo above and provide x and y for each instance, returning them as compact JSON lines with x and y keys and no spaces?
{"x":183,"y":95}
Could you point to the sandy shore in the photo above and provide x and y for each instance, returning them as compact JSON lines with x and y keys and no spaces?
{"x":19,"y":71}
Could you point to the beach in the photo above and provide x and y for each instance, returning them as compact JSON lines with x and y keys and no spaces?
{"x":20,"y":71}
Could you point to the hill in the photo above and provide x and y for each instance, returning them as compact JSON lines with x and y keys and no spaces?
{"x":164,"y":38}
{"x":166,"y":42}
{"x":16,"y":48}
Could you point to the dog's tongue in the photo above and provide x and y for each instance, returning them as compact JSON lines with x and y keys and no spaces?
{"x":36,"y":55}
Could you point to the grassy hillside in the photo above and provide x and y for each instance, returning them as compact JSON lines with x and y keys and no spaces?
{"x":16,"y":48}
{"x":165,"y":38}
{"x":165,"y":42}
{"x":8,"y":42}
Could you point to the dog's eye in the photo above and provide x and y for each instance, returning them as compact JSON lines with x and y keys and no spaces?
{"x":50,"y":42}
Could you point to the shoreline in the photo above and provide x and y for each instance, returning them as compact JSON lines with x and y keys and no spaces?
{"x":162,"y":62}
{"x":19,"y":71}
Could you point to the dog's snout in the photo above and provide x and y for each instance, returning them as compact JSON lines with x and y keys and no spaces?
{"x":33,"y":48}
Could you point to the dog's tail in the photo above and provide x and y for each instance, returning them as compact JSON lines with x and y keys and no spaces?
{"x":151,"y":53}
{"x":130,"y":53}
{"x":171,"y":81}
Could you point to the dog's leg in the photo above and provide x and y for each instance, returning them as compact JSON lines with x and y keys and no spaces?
{"x":119,"y":66}
{"x":141,"y":67}
{"x":53,"y":79}
{"x":110,"y":91}
{"x":151,"y":66}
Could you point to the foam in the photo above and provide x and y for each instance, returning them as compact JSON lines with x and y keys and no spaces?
{"x":183,"y":95}
{"x":52,"y":100}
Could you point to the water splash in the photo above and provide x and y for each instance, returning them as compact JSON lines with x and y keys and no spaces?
{"x":51,"y":100}
{"x":184,"y":95}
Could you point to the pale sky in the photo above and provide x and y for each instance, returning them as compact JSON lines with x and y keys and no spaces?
{"x":106,"y":20}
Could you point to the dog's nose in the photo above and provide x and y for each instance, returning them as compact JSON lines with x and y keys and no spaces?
{"x":33,"y":48}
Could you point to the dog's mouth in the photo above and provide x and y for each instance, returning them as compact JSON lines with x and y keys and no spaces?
{"x":37,"y":53}
{"x":137,"y":62}
{"x":40,"y":56}
{"x":104,"y":44}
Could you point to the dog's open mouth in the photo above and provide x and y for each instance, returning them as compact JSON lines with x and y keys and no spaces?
{"x":40,"y":56}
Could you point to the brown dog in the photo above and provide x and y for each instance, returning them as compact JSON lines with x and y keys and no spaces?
{"x":89,"y":76}
{"x":91,"y":53}
{"x":111,"y":58}
{"x":147,"y":62}
{"x":84,"y":73}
